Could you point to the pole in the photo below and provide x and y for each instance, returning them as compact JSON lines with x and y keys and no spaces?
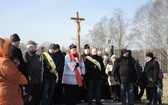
{"x":78,"y":20}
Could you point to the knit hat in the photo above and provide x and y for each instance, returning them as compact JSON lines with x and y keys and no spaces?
{"x":123,"y":51}
{"x":52,"y":46}
{"x":149,"y":54}
{"x":72,"y":46}
{"x":113,"y":56}
{"x":57,"y":46}
{"x":30,"y":42}
{"x":86,"y":46}
{"x":14,"y":37}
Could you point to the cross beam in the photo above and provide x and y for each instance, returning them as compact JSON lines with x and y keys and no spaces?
{"x":78,"y":20}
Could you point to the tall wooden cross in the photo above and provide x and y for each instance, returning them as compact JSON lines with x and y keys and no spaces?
{"x":78,"y":20}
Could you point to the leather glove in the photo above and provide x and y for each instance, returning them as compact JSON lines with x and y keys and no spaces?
{"x":77,"y":64}
{"x":110,"y":73}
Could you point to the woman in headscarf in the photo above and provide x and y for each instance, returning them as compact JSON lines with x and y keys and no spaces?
{"x":10,"y":77}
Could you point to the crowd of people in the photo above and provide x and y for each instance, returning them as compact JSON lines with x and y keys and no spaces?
{"x":56,"y":78}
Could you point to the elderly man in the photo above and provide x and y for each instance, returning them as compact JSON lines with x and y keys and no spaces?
{"x":95,"y":72}
{"x":34,"y":71}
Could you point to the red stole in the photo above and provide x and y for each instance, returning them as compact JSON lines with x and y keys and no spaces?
{"x":78,"y":77}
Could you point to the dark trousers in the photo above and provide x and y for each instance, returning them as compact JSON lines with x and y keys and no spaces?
{"x":160,"y":90}
{"x":83,"y":93}
{"x":141,"y":92}
{"x":31,"y":94}
{"x":58,"y":95}
{"x":47,"y":91}
{"x":135,"y":92}
{"x":105,"y":94}
{"x":94,"y":86}
{"x":71,"y":94}
{"x":152,"y":95}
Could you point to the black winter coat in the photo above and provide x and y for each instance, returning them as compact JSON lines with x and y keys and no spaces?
{"x":93,"y":72}
{"x":59,"y":61}
{"x":124,"y":70}
{"x":17,"y":54}
{"x":151,"y":70}
{"x":47,"y":67}
{"x":33,"y":66}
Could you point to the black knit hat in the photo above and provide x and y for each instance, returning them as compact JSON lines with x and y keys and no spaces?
{"x":14,"y":37}
{"x":86,"y":46}
{"x":149,"y":54}
{"x":72,"y":46}
{"x":52,"y":46}
{"x":123,"y":51}
{"x":57,"y":46}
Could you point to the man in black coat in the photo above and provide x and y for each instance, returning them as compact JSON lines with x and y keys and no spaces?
{"x":95,"y":71}
{"x":16,"y":55}
{"x":83,"y":90}
{"x":34,"y":71}
{"x":49,"y":77}
{"x":58,"y":96}
{"x":151,"y":73}
{"x":124,"y":71}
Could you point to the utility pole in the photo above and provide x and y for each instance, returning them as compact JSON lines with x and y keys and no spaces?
{"x":78,"y":20}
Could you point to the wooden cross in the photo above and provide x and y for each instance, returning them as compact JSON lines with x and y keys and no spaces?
{"x":78,"y":20}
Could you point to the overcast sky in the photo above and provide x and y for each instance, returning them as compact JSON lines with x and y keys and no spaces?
{"x":49,"y":20}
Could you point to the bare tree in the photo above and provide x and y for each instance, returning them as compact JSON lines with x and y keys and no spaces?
{"x":151,"y":22}
{"x":141,"y":25}
{"x":120,"y":30}
{"x":97,"y":36}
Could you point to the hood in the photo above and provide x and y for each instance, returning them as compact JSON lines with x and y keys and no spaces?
{"x":5,"y":45}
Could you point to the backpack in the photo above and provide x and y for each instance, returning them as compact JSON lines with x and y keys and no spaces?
{"x":160,"y":74}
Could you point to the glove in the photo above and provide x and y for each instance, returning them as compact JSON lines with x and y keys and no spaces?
{"x":77,"y":64}
{"x":110,"y":73}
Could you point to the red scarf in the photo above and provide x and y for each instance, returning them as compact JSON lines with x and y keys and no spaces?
{"x":78,"y":77}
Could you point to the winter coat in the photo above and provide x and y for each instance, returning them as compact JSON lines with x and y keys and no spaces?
{"x":17,"y":54}
{"x":10,"y":78}
{"x":60,"y":58}
{"x":47,"y":67}
{"x":124,"y":70}
{"x":110,"y":73}
{"x":151,"y":70}
{"x":33,"y":65}
{"x":93,"y":72}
